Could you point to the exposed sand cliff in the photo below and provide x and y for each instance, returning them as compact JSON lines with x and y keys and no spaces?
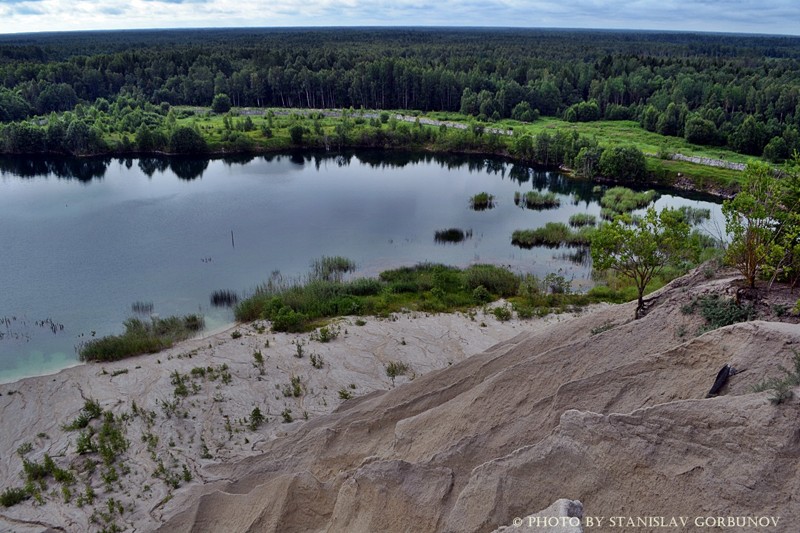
{"x":598,"y":409}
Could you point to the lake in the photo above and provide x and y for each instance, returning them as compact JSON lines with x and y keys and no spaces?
{"x":82,"y":240}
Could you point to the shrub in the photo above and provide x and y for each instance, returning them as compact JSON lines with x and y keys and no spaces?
{"x":256,"y":419}
{"x":289,"y":320}
{"x":718,"y":311}
{"x":396,"y":368}
{"x":481,"y":296}
{"x":12,"y":496}
{"x":502,"y":313}
{"x":345,"y":394}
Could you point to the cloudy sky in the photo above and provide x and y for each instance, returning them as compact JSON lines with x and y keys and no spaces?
{"x":749,"y":16}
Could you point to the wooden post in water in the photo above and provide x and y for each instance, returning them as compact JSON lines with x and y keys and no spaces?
{"x":233,"y":244}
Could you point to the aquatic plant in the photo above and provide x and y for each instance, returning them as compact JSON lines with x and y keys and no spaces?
{"x":142,"y":308}
{"x":580,"y":220}
{"x":537,"y":200}
{"x":618,"y":200}
{"x":482,"y":201}
{"x":224,"y":298}
{"x":552,"y":235}
{"x":331,"y":268}
{"x":451,"y":235}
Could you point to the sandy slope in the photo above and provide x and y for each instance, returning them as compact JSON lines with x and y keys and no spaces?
{"x":34,"y":409}
{"x":617,"y":420}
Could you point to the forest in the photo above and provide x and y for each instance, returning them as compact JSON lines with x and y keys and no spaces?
{"x":122,"y":92}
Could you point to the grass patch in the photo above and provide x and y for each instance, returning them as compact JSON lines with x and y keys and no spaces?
{"x":142,"y":337}
{"x":619,"y":200}
{"x":552,"y":235}
{"x":718,"y":311}
{"x":482,"y":201}
{"x":581,"y":220}
{"x":537,"y":200}
{"x":782,"y":388}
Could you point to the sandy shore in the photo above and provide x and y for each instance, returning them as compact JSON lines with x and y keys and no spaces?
{"x":210,"y":424}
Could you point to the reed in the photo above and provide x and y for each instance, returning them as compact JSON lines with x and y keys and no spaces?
{"x":224,"y":298}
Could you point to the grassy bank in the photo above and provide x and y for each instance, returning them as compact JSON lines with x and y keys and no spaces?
{"x":142,"y":336}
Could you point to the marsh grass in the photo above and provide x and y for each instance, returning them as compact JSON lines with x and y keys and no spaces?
{"x":224,"y":298}
{"x":142,"y":308}
{"x":552,"y":235}
{"x":482,"y":201}
{"x":451,"y":235}
{"x":331,"y":268}
{"x":537,"y":200}
{"x":580,"y":220}
{"x":619,"y":200}
{"x":142,"y":337}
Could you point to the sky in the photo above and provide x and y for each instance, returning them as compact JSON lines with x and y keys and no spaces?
{"x":740,"y":16}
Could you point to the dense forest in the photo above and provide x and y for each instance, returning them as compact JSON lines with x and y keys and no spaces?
{"x":738,"y":91}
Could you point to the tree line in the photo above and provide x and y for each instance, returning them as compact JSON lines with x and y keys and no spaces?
{"x":738,"y":91}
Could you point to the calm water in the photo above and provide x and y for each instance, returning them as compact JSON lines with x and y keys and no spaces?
{"x":80,"y":241}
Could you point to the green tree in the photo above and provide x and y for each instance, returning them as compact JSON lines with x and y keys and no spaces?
{"x":700,"y":131}
{"x":784,"y":261}
{"x":221,"y":103}
{"x":640,"y":249}
{"x":624,"y":163}
{"x":296,"y":133}
{"x":751,"y":221}
{"x":186,"y":140}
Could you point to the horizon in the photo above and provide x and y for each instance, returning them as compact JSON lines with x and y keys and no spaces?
{"x":35,"y":17}
{"x":396,"y":27}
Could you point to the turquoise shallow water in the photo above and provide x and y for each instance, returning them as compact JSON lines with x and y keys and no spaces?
{"x":80,"y":241}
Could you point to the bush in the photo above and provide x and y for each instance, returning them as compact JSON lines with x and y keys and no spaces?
{"x":503,"y":313}
{"x":12,"y":496}
{"x":718,"y":311}
{"x":481,"y":296}
{"x":289,"y":320}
